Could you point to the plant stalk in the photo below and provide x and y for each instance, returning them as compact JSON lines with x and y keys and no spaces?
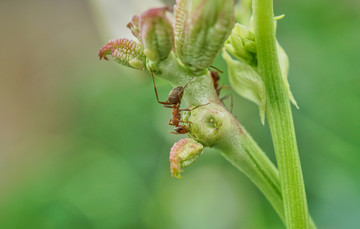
{"x":280,"y":119}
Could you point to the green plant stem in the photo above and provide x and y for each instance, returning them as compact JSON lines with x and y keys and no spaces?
{"x":244,"y":153}
{"x":280,"y":119}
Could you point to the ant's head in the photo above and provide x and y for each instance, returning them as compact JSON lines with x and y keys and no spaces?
{"x":181,"y":129}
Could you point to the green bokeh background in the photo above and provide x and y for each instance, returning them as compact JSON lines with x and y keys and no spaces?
{"x":83,"y":143}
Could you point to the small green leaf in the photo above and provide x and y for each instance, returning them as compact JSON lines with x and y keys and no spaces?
{"x":246,"y":82}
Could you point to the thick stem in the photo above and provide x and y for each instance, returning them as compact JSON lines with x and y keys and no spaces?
{"x":279,"y":115}
{"x":245,"y":154}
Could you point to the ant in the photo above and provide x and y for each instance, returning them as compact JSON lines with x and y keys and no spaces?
{"x":174,"y":101}
{"x":215,"y":77}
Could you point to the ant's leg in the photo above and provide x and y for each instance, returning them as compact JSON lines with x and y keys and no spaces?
{"x":190,"y":109}
{"x":231,"y":100}
{"x":186,"y":121}
{"x":171,"y":122}
{"x":216,"y":68}
{"x":168,"y":106}
{"x":224,"y":87}
{"x":156,"y":93}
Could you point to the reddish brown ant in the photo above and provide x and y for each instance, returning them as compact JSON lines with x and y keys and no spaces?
{"x":174,"y":101}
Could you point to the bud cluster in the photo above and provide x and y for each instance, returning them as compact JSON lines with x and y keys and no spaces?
{"x":191,"y":41}
{"x":196,"y":36}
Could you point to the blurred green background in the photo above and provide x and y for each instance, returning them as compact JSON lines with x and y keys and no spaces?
{"x":83,"y":143}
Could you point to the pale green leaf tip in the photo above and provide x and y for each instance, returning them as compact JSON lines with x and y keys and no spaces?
{"x":262,"y":113}
{"x":277,"y":18}
{"x":293,"y":101}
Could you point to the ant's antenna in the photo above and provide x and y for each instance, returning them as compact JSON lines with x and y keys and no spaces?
{"x":189,"y":81}
{"x":216,"y":69}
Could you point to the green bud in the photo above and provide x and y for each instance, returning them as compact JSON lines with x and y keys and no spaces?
{"x":201,"y":28}
{"x":241,"y":44}
{"x":182,"y":154}
{"x":156,"y":34}
{"x":124,"y":51}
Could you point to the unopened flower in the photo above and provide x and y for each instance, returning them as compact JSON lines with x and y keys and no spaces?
{"x":201,"y":28}
{"x":182,"y":154}
{"x":156,"y":33}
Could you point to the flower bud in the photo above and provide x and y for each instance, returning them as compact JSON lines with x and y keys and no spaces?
{"x":125,"y":52}
{"x":241,"y":44}
{"x":182,"y":154}
{"x":201,"y":28}
{"x":156,"y":33}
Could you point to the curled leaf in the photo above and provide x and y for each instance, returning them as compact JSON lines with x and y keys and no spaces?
{"x":125,"y":52}
{"x":182,"y":154}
